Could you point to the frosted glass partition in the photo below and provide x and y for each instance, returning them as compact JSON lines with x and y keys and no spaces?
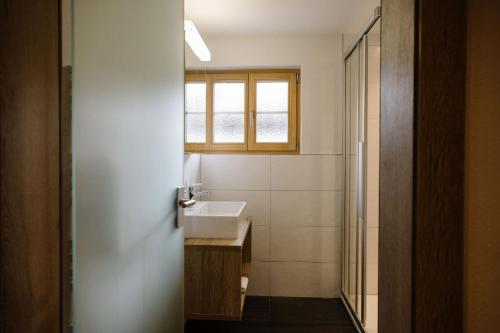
{"x":229,"y":112}
{"x":272,"y":111}
{"x":196,"y":112}
{"x":128,"y":101}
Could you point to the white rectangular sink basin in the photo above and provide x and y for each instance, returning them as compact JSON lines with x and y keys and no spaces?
{"x":213,"y":219}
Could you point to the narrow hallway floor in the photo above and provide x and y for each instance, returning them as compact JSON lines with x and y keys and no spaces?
{"x":282,"y":315}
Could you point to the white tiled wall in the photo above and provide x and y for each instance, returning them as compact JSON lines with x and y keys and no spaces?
{"x":305,"y":279}
{"x":191,"y":172}
{"x":236,"y":172}
{"x":305,"y":244}
{"x":306,"y":172}
{"x":306,"y":208}
{"x":295,"y":203}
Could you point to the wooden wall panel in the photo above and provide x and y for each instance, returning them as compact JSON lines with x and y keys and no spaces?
{"x":66,"y":200}
{"x":29,"y":166}
{"x":482,"y":156}
{"x":396,"y":165}
{"x":439,"y":165}
{"x":421,"y":174}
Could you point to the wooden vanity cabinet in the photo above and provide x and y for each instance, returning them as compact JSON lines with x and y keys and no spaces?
{"x":214,"y":269}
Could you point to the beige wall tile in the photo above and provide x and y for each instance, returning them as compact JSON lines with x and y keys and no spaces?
{"x":372,"y":245}
{"x":372,"y":279}
{"x":309,"y":244}
{"x":300,"y":279}
{"x":260,"y":243}
{"x":373,"y":154}
{"x":258,"y":283}
{"x":306,"y":172}
{"x":235,"y":172}
{"x":372,"y":208}
{"x":306,"y":208}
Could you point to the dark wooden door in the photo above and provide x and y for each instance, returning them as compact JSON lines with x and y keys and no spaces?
{"x":29,"y":166}
{"x":422,"y":161}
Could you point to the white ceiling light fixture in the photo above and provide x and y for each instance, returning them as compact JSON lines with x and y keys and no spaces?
{"x":193,"y":38}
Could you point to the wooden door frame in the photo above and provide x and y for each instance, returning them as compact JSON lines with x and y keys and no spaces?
{"x":422,"y":165}
{"x":30,"y":247}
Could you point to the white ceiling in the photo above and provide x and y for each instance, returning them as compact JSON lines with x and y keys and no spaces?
{"x":230,"y":17}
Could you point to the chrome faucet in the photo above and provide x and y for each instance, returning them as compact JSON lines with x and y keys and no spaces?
{"x":192,"y":190}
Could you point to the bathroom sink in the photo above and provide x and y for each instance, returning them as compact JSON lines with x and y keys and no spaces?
{"x":213,"y":219}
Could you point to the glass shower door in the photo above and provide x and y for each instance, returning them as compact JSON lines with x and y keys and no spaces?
{"x":360,"y":224}
{"x":353,"y":282}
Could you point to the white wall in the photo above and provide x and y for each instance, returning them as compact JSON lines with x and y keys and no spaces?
{"x":192,"y":170}
{"x":128,"y":132}
{"x":318,"y":57}
{"x":295,"y":200}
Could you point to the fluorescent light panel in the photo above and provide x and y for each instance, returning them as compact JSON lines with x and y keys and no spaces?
{"x":194,"y":40}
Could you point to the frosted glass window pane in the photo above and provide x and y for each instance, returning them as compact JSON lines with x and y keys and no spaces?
{"x":272,"y":96}
{"x":195,"y":127}
{"x":228,"y":128}
{"x":195,"y":112}
{"x":229,"y":97}
{"x":229,"y":112}
{"x":272,"y":112}
{"x":196,"y":97}
{"x":272,"y":127}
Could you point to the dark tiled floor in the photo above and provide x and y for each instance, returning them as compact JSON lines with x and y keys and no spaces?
{"x":282,"y":315}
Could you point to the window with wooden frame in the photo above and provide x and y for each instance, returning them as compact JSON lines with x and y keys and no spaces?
{"x":242,"y":111}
